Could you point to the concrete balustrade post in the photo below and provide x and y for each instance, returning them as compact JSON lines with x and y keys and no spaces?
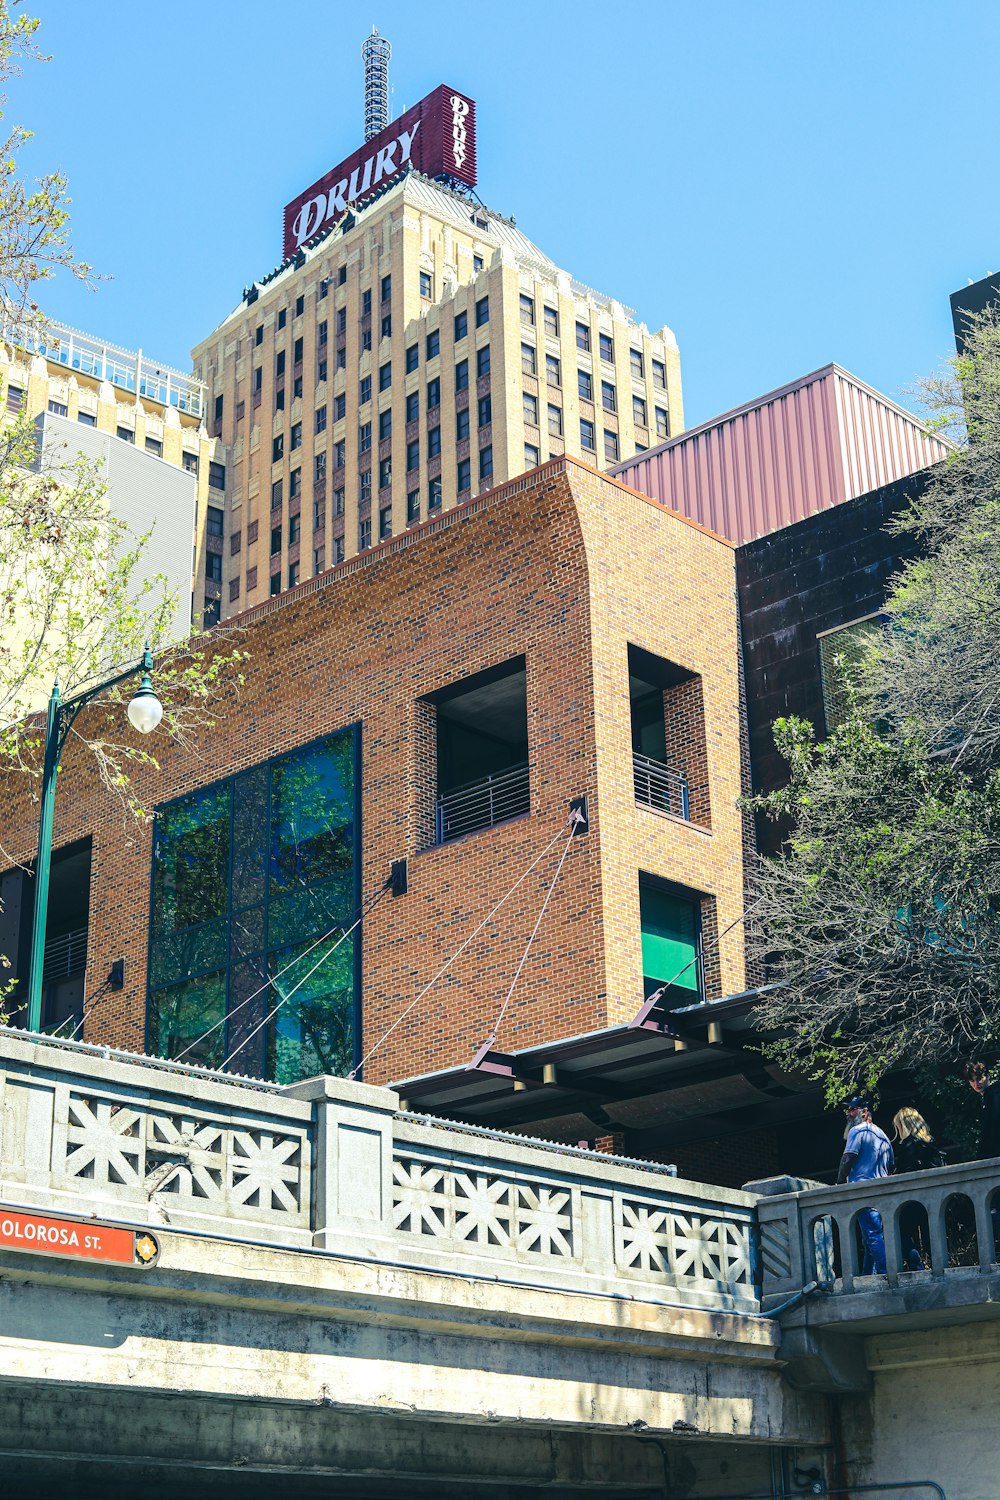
{"x":984,"y":1227}
{"x":786,"y":1256}
{"x":352,"y":1163}
{"x":936,"y":1203}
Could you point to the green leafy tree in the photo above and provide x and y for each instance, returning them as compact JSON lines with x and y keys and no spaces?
{"x":34,"y":219}
{"x":880,"y":919}
{"x":76,"y":602}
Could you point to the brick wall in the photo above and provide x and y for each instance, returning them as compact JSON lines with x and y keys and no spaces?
{"x":684,"y":729}
{"x":730,"y":1161}
{"x":669,"y":592}
{"x":554,"y":567}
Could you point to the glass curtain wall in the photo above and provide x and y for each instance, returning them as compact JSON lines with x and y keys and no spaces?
{"x":247,"y":874}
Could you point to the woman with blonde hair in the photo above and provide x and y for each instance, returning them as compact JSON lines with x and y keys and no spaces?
{"x":914,"y":1151}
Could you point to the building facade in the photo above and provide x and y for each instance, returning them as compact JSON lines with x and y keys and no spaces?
{"x":442,"y":699}
{"x":410,"y":357}
{"x":70,"y":376}
{"x":155,"y":500}
{"x":687,"y":1083}
{"x":973,"y":300}
{"x":809,"y":595}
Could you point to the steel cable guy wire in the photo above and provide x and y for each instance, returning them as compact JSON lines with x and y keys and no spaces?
{"x":461,"y":948}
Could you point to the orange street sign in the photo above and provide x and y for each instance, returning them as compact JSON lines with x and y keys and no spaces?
{"x":82,"y":1239}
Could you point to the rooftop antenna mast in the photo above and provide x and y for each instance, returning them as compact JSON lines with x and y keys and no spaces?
{"x":375,"y":53}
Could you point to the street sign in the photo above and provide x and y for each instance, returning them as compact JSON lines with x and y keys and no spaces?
{"x":80,"y":1239}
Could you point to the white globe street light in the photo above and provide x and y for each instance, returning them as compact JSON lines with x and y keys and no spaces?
{"x":145,"y":710}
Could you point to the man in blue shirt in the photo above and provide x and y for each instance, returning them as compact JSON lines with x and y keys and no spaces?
{"x":867,"y":1156}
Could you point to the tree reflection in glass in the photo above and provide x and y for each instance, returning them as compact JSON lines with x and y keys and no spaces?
{"x":312,"y":807}
{"x":246,"y":875}
{"x":181,"y":1013}
{"x":313,"y":1031}
{"x":191,"y":868}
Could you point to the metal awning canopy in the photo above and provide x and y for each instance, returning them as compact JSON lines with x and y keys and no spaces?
{"x":668,"y":1077}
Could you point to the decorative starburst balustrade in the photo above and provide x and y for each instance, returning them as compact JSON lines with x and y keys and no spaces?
{"x":338,"y":1166}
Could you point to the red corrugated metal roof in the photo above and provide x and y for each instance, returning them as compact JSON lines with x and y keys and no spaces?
{"x":807,"y":446}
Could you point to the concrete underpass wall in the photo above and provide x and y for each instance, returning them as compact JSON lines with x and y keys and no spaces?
{"x":932,"y":1413}
{"x":73,"y":1443}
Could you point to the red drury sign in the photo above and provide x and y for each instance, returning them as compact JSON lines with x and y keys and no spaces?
{"x":83,"y":1239}
{"x":437,"y":135}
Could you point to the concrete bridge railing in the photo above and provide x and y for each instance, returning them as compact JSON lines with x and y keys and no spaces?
{"x":337,"y":1166}
{"x":934,"y":1223}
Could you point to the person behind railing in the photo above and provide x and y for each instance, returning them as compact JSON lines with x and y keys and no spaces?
{"x":867,"y":1157}
{"x":915,"y":1151}
{"x":985,"y":1082}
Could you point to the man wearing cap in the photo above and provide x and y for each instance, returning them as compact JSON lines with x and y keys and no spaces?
{"x":867,"y":1156}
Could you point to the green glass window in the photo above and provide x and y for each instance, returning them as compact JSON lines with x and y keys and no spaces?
{"x":245,"y":875}
{"x":841,"y":652}
{"x":189,"y":878}
{"x":314,"y":1030}
{"x":670,"y":942}
{"x":181,"y":1013}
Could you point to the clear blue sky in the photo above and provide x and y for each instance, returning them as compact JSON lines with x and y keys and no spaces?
{"x":782,"y":183}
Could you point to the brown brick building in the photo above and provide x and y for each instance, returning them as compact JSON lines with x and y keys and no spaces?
{"x":558,"y":636}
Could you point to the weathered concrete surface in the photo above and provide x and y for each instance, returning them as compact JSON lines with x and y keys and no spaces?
{"x":809,"y":1234}
{"x":931,"y":1414}
{"x":336,"y":1165}
{"x":526,"y":1317}
{"x":78,"y":1446}
{"x":254,"y":1322}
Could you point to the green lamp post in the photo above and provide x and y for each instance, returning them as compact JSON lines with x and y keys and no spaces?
{"x":144,"y":711}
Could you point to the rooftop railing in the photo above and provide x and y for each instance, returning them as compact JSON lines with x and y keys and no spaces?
{"x":658,"y":785}
{"x":482,"y":803}
{"x":122,"y":368}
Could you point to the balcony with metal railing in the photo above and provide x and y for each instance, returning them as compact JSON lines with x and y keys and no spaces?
{"x":127,"y":370}
{"x":65,"y":957}
{"x":661,"y":787}
{"x":482,"y":803}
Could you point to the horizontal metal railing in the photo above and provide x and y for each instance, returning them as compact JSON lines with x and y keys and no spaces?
{"x":660,"y":786}
{"x":65,"y":956}
{"x":128,"y":371}
{"x":482,"y":803}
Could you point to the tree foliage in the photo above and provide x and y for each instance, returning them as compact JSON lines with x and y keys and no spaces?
{"x":880,"y":919}
{"x":76,"y":602}
{"x":34,"y":219}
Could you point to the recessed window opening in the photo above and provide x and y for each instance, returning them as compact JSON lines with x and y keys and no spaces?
{"x":842,"y":650}
{"x":481,"y":751}
{"x":66,"y":932}
{"x":669,"y":759}
{"x":670,"y":923}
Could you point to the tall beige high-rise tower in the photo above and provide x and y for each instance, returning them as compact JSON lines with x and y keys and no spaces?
{"x":413,"y":349}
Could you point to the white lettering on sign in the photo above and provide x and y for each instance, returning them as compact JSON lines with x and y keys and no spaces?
{"x":385,"y":166}
{"x":309,"y":217}
{"x":376,"y":168}
{"x":459,"y":110}
{"x":41,"y":1234}
{"x":406,"y":139}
